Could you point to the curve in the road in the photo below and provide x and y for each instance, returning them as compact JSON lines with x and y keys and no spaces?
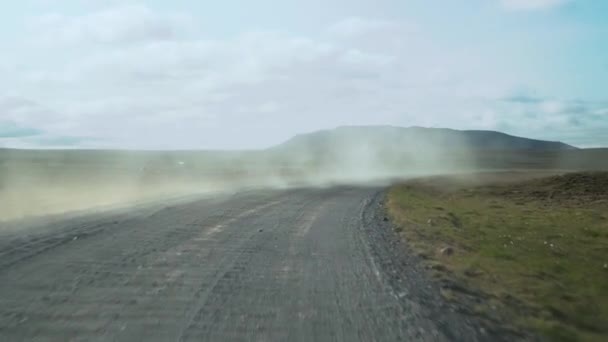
{"x":295,"y":265}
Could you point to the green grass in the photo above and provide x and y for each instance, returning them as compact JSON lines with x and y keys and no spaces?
{"x":537,"y":253}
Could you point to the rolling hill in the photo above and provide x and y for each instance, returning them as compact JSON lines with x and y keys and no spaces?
{"x":400,"y":137}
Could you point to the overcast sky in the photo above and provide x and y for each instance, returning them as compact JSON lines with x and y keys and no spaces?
{"x":194,"y":74}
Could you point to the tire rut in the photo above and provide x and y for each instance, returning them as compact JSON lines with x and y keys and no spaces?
{"x":296,"y":265}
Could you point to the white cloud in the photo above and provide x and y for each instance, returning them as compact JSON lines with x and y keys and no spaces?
{"x":552,"y":106}
{"x":149,"y":82}
{"x":530,"y":5}
{"x":357,"y":58}
{"x":125,"y":24}
{"x":188,"y":93}
{"x":578,"y":122}
{"x":358,"y":26}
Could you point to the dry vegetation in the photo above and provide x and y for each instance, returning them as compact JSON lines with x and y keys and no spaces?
{"x":533,"y":252}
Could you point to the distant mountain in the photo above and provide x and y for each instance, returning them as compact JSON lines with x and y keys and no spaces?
{"x":383,"y":137}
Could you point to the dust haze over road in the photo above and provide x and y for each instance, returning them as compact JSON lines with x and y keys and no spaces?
{"x":288,"y":243}
{"x":48,"y":182}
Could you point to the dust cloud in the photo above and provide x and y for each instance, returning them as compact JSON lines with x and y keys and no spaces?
{"x":35,"y":182}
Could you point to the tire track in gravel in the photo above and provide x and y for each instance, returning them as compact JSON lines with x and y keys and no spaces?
{"x":292,"y":265}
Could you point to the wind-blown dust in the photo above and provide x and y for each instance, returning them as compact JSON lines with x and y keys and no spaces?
{"x":46,"y":182}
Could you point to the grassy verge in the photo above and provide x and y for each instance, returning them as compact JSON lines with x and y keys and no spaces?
{"x":534,"y":252}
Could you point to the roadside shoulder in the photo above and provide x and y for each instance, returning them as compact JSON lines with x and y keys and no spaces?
{"x":412,"y":285}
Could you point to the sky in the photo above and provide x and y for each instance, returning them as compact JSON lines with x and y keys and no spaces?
{"x":238,"y":74}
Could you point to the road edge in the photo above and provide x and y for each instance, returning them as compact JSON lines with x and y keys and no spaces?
{"x":406,"y":276}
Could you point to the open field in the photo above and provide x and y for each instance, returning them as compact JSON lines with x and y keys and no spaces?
{"x":521,"y":247}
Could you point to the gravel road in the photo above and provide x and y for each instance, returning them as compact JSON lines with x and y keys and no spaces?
{"x":293,"y":265}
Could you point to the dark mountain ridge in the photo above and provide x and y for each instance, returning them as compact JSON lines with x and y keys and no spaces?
{"x":395,"y":137}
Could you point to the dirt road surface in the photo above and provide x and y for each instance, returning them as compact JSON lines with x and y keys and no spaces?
{"x":293,"y":265}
